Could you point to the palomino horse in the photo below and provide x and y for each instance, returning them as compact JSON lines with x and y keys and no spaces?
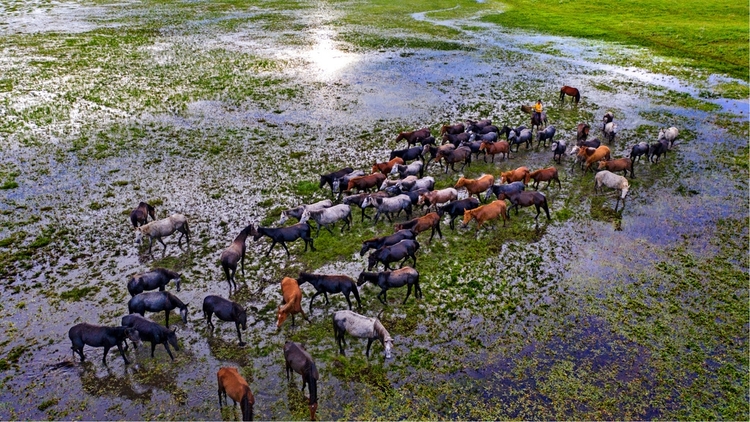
{"x":233,"y":384}
{"x":363,"y":327}
{"x":569,"y":90}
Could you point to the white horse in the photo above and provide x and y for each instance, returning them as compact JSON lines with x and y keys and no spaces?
{"x":327,"y":216}
{"x":610,"y":130}
{"x":613,"y":181}
{"x":412,"y":169}
{"x":669,"y":134}
{"x":389,"y":206}
{"x":297,"y":212}
{"x":363,"y":327}
{"x":165,"y":227}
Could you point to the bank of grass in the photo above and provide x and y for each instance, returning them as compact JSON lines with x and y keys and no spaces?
{"x":712,"y":34}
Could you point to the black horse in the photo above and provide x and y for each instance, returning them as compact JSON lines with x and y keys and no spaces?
{"x":151,"y":332}
{"x":406,"y":276}
{"x":457,"y":208}
{"x":502,"y":191}
{"x":527,"y":199}
{"x":298,"y":360}
{"x":285,"y":234}
{"x":156,"y":302}
{"x":152,"y":280}
{"x":407,"y":154}
{"x":378,"y":242}
{"x":330,"y":177}
{"x":100,"y":336}
{"x":400,"y":251}
{"x":225,"y":310}
{"x":330,"y":284}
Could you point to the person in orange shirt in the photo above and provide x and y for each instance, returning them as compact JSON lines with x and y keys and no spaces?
{"x":537,"y":109}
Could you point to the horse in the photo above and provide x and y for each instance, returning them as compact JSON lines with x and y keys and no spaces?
{"x":543,"y":175}
{"x":140,"y":214}
{"x":475,"y":147}
{"x":101,"y":336}
{"x":610,"y":130}
{"x":608,"y":118}
{"x":156,"y":302}
{"x":518,"y":138}
{"x":152,"y":280}
{"x":329,"y":178}
{"x":225,"y":310}
{"x":558,"y":150}
{"x":285,"y":234}
{"x":624,"y":165}
{"x":537,"y":119}
{"x":476,"y":186}
{"x":452,"y":129}
{"x":344,"y":181}
{"x":387,"y":166}
{"x":657,"y":149}
{"x":378,"y":242}
{"x":365,"y":183}
{"x":389,"y":206}
{"x":501,"y":191}
{"x":487,"y":212}
{"x":613,"y":181}
{"x":669,"y":134}
{"x":407,"y":182}
{"x":164,"y":227}
{"x":493,"y":148}
{"x":601,"y":153}
{"x":638,"y":150}
{"x":582,"y":132}
{"x":478,"y":124}
{"x":456,"y":208}
{"x":544,"y":135}
{"x":298,"y":360}
{"x":408,"y":154}
{"x":453,"y":157}
{"x":570,"y":91}
{"x":359,"y":199}
{"x":406,"y":276}
{"x":291,"y":302}
{"x":436,"y":197}
{"x":516,"y":175}
{"x":152,"y":332}
{"x":594,"y":143}
{"x":413,"y":169}
{"x":402,"y":250}
{"x":296,"y":212}
{"x":527,"y":199}
{"x":233,"y":384}
{"x":233,"y":254}
{"x":427,"y":183}
{"x":582,"y":154}
{"x":328,"y":216}
{"x":456,"y":140}
{"x":363,"y":327}
{"x":420,"y":224}
{"x":330,"y":284}
{"x":527,"y":108}
{"x":414,"y":136}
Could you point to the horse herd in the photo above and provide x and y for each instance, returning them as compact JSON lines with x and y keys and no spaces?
{"x":409,"y":190}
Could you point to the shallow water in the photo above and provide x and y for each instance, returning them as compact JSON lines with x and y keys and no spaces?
{"x":350,"y":109}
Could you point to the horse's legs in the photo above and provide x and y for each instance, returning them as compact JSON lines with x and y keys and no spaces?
{"x":313,"y":299}
{"x":169,"y":352}
{"x":325,"y":295}
{"x":414,"y":258}
{"x":329,"y":229}
{"x":208,"y":316}
{"x":417,"y":289}
{"x":162,"y":242}
{"x":153,"y":347}
{"x":273,"y":243}
{"x":106,"y":350}
{"x":408,"y":292}
{"x":349,"y":302}
{"x":369,"y":343}
{"x":287,"y":249}
{"x":239,"y":334}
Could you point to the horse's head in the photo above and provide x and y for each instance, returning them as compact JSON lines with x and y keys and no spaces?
{"x":132,"y":334}
{"x":138,"y":235}
{"x":281,"y":316}
{"x":184,"y":313}
{"x":172,"y":339}
{"x":372,"y":260}
{"x":388,"y":345}
{"x":177,"y":281}
{"x":305,"y":216}
{"x":461,"y":182}
{"x":468,"y":215}
{"x":284,"y":217}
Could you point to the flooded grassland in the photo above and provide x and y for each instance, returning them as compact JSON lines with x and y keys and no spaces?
{"x":228,"y":113}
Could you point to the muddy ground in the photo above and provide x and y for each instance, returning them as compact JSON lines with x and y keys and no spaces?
{"x":229,"y":115}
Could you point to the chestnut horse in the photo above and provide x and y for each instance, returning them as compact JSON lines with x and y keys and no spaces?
{"x":516,"y":175}
{"x":476,"y":186}
{"x":233,"y":384}
{"x":487,"y":212}
{"x":387,"y":166}
{"x":569,"y":90}
{"x":414,"y":137}
{"x":543,"y":175}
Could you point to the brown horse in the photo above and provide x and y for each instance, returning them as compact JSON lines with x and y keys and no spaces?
{"x":487,"y":212}
{"x":601,"y":153}
{"x":582,"y":132}
{"x":569,"y":90}
{"x":233,"y":384}
{"x":624,"y":165}
{"x":476,"y":186}
{"x":492,"y":148}
{"x":414,"y":137}
{"x":517,"y":175}
{"x":543,"y":175}
{"x":452,"y":129}
{"x":420,"y":224}
{"x":292,"y":302}
{"x":365,"y":183}
{"x":387,"y":166}
{"x":139,"y":216}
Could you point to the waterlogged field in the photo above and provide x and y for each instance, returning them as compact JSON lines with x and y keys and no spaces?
{"x":228,"y":112}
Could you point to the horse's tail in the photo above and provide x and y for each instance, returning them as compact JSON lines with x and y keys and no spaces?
{"x":578,"y":97}
{"x":187,"y":228}
{"x":225,"y":267}
{"x":356,"y":294}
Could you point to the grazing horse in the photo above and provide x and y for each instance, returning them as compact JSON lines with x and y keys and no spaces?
{"x":517,"y":175}
{"x":624,"y":165}
{"x":456,"y":208}
{"x":582,"y":132}
{"x":139,"y":216}
{"x":558,"y":150}
{"x":543,"y":175}
{"x":601,"y":153}
{"x":613,"y":181}
{"x":420,"y":224}
{"x":152,"y":280}
{"x":156,"y":302}
{"x":291,"y":302}
{"x":329,"y":178}
{"x":296,"y":212}
{"x":164,"y":227}
{"x":487,"y":212}
{"x":328,"y":216}
{"x":527,"y":199}
{"x":408,"y":154}
{"x":298,"y":360}
{"x":378,"y":242}
{"x":401,"y":251}
{"x":493,"y":148}
{"x":387,"y":166}
{"x":570,"y":91}
{"x":233,"y":384}
{"x":225,"y":310}
{"x":100,"y":336}
{"x":657,"y":149}
{"x":285,"y":234}
{"x":669,"y":134}
{"x":152,"y":332}
{"x":453,"y":157}
{"x":365,"y":183}
{"x":330,"y":284}
{"x":452,"y":129}
{"x":363,"y":327}
{"x":233,"y":254}
{"x":406,"y":276}
{"x":594,"y":143}
{"x":476,"y":186}
{"x":414,"y":137}
{"x":544,"y":135}
{"x":537,"y":119}
{"x":502,"y":191}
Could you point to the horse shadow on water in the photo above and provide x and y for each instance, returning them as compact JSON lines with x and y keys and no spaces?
{"x":135,"y":384}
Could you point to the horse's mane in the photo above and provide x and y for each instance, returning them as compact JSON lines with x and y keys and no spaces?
{"x":381,"y":331}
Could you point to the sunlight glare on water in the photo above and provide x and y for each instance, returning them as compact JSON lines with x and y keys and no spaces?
{"x":326,"y":57}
